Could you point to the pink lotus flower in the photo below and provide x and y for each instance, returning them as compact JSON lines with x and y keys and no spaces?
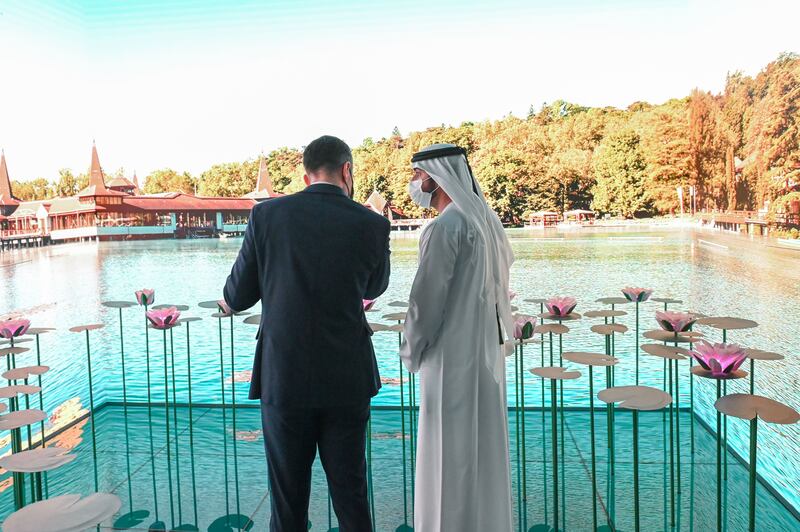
{"x":675,"y":321}
{"x":14,"y":328}
{"x":637,"y":294}
{"x":560,"y":306}
{"x":720,"y":359}
{"x":523,"y":327}
{"x":511,"y":295}
{"x":145,"y":296}
{"x":224,"y":308}
{"x":164,"y":318}
{"x":368,"y":303}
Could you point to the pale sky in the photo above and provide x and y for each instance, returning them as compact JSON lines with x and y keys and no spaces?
{"x":185,"y":84}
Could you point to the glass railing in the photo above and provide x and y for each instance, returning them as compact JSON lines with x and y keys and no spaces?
{"x":160,"y":419}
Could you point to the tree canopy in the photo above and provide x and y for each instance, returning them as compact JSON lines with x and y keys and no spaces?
{"x":740,"y":149}
{"x":168,"y":180}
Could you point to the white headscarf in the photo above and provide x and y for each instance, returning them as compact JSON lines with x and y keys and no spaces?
{"x":453,"y":174}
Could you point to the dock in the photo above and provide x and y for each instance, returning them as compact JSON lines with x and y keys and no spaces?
{"x":749,"y":222}
{"x":14,"y":240}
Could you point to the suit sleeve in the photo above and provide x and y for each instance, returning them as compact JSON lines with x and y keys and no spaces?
{"x":242,"y":289}
{"x":438,"y":251}
{"x":379,"y":279}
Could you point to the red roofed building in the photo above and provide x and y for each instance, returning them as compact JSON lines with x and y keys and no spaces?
{"x":8,"y":203}
{"x":123,"y":184}
{"x":116,"y":211}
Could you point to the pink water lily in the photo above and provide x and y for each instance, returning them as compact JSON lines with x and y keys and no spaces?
{"x":720,"y":359}
{"x":368,"y":303}
{"x":675,"y":321}
{"x":560,"y":306}
{"x":13,"y":328}
{"x":145,"y":296}
{"x":637,"y":294}
{"x":164,"y":318}
{"x":523,"y":327}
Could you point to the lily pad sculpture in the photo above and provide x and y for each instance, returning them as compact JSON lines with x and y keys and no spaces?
{"x":65,"y":513}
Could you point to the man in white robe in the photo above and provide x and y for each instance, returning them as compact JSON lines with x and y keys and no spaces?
{"x":459,"y":317}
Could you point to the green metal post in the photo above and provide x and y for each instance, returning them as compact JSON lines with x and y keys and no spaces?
{"x":91,"y":411}
{"x":594,"y":454}
{"x":753,"y":464}
{"x":169,"y":444}
{"x":554,"y":434}
{"x":636,"y":468}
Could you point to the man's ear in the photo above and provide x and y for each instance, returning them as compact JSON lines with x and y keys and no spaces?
{"x":306,"y":179}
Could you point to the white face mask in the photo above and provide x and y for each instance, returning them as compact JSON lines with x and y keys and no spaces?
{"x":419,"y":196}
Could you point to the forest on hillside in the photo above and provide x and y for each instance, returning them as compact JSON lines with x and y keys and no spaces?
{"x":739,"y":149}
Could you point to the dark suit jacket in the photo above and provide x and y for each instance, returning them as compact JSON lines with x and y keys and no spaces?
{"x":311,"y":258}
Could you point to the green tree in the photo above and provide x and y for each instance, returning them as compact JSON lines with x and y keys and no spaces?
{"x":620,"y":167}
{"x":706,"y":150}
{"x":772,"y":128}
{"x":68,"y":184}
{"x":285,"y":167}
{"x":35,"y":189}
{"x":229,"y":179}
{"x":664,"y":134}
{"x":168,"y":180}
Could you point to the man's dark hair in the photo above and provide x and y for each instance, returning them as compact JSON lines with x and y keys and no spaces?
{"x":326,"y":153}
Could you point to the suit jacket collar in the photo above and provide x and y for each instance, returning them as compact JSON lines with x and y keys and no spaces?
{"x":324,"y":188}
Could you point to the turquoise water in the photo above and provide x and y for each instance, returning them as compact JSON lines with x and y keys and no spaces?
{"x":62,"y":286}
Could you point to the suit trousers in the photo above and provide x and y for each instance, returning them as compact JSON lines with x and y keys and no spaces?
{"x":292,"y":437}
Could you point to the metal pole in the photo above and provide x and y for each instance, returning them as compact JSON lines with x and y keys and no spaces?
{"x":169,"y":445}
{"x":224,"y":415}
{"x":719,"y":460}
{"x":233,"y":410}
{"x":554,"y":433}
{"x":636,"y":467}
{"x":637,"y":342}
{"x":594,"y":456}
{"x":678,"y":426}
{"x":177,"y":432}
{"x":516,"y":435}
{"x":753,"y":463}
{"x":403,"y":442}
{"x":691,"y":400}
{"x":41,"y":407}
{"x":191,"y":420}
{"x":91,"y":406}
{"x":671,"y":452}
{"x":524,"y":460}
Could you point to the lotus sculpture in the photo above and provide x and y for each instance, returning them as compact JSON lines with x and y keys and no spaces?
{"x":637,"y":295}
{"x":676,"y":322}
{"x":560,"y":306}
{"x":145,"y":296}
{"x":523,"y":327}
{"x":720,"y":359}
{"x":13,"y":328}
{"x":164,"y":318}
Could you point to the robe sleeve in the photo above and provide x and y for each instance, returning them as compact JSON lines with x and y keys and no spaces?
{"x":438,"y":251}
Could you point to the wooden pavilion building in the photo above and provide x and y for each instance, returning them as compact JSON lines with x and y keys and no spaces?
{"x":118,"y":211}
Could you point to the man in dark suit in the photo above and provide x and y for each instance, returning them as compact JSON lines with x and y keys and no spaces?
{"x":312,"y":258}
